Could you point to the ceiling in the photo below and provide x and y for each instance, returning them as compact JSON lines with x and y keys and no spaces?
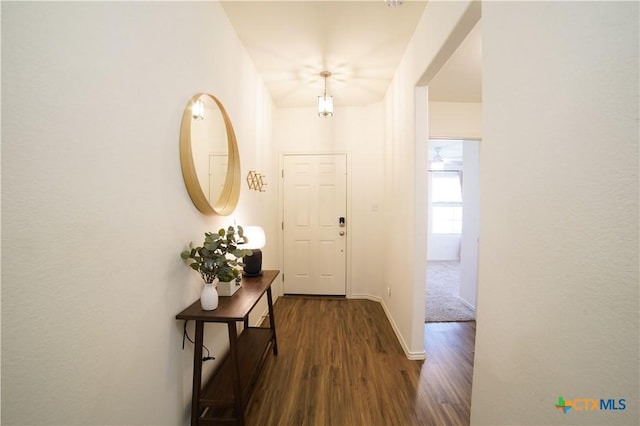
{"x":360,"y":42}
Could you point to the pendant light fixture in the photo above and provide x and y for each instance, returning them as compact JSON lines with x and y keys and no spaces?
{"x":197,"y":110}
{"x":325,"y":101}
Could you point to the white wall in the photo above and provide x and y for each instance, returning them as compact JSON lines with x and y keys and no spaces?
{"x":441,"y":29}
{"x":470,"y":223}
{"x":558,"y":303}
{"x":443,"y":247}
{"x":95,"y":211}
{"x":359,"y":132}
{"x":455,"y":120}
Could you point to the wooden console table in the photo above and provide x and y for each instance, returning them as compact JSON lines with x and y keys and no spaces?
{"x":224,"y":397}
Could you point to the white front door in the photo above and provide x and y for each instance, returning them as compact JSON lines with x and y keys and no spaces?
{"x":315,"y":224}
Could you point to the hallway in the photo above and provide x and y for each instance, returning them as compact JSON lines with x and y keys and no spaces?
{"x":340,"y":363}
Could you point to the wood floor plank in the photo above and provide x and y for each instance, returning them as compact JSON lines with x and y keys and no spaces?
{"x":340,"y":364}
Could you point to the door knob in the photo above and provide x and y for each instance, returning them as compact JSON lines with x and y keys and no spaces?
{"x":341,"y":232}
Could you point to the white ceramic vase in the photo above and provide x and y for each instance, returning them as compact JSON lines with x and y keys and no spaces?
{"x":209,"y":296}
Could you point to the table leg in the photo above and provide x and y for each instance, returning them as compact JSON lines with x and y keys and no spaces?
{"x":272,"y":321}
{"x":197,"y":373}
{"x":237,"y":387}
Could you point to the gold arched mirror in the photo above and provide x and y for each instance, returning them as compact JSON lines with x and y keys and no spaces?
{"x":209,"y":156}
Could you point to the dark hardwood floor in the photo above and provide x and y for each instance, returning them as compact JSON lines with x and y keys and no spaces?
{"x":340,"y":364}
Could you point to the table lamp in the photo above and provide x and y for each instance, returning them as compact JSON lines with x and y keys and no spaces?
{"x":255,"y":241}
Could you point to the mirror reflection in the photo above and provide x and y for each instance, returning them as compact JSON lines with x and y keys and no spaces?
{"x":209,"y":148}
{"x":209,"y":156}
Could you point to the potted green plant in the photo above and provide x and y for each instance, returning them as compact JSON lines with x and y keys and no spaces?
{"x":218,"y":259}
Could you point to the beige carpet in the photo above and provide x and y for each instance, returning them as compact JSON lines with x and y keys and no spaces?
{"x":443,"y":304}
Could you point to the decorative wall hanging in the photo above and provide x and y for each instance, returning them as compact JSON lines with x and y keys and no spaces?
{"x":256,"y":181}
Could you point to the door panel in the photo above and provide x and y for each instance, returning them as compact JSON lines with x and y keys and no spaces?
{"x":314,"y":200}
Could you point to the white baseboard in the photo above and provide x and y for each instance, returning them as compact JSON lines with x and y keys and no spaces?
{"x":467,"y":304}
{"x":265,"y":314}
{"x":365,"y":297}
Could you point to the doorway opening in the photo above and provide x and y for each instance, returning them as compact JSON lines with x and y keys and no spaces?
{"x":452,"y":238}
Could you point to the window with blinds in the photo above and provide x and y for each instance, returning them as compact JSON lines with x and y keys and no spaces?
{"x":446,"y":203}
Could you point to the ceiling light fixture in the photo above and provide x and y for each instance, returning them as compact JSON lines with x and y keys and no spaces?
{"x":197,"y":110}
{"x":437,"y":163}
{"x":393,"y":3}
{"x":325,"y":101}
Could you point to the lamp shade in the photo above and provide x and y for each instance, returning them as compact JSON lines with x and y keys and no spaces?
{"x":255,"y":237}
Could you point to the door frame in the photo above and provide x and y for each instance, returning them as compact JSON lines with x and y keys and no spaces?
{"x":280,"y":284}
